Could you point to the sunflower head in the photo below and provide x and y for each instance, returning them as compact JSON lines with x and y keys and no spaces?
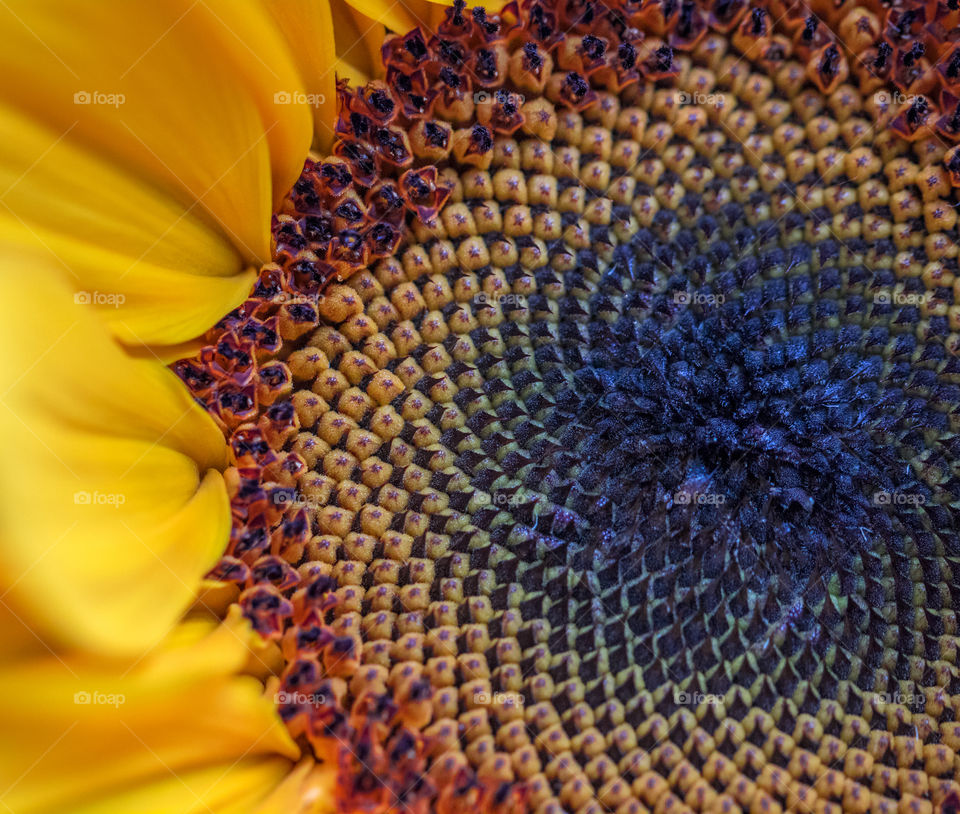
{"x":593,"y":429}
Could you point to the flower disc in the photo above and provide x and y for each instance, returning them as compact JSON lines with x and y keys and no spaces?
{"x":594,"y":429}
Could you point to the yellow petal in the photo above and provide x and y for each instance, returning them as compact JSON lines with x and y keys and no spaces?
{"x":372,"y":34}
{"x":177,"y":731}
{"x":395,"y":16}
{"x":183,"y":93}
{"x":308,"y":26}
{"x":111,"y":508}
{"x":236,"y":788}
{"x":402,"y":17}
{"x":19,"y":639}
{"x":152,"y":267}
{"x":351,"y":41}
{"x":308,"y":789}
{"x":356,"y":76}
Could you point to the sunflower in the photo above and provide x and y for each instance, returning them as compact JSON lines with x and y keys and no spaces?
{"x":571,"y":430}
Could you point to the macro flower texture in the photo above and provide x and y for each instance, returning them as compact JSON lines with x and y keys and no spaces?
{"x":423,"y":408}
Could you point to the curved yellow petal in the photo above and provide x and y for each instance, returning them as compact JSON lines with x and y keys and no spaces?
{"x":177,"y":731}
{"x":373,"y":33}
{"x":236,"y":789}
{"x":351,"y":42}
{"x":265,"y":62}
{"x":395,"y":16}
{"x":223,"y":789}
{"x":19,"y":639}
{"x":153,"y":268}
{"x":308,"y":789}
{"x":357,"y":76}
{"x":308,"y":26}
{"x":111,"y":508}
{"x":198,"y":97}
{"x":402,"y":17}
